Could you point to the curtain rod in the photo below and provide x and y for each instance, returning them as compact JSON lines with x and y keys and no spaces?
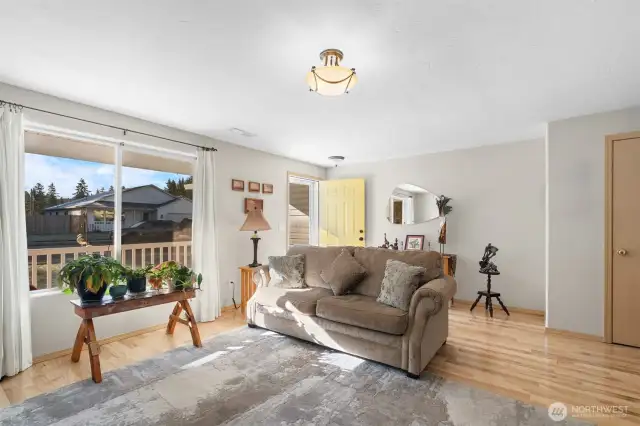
{"x":125,"y":131}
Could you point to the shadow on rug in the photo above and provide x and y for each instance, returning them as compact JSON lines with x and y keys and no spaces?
{"x":254,"y":376}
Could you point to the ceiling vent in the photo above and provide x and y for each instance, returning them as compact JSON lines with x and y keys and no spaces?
{"x":242,"y":132}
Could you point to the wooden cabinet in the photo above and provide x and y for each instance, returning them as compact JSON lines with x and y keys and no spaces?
{"x":247,"y":286}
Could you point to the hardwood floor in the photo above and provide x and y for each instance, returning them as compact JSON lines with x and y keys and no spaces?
{"x":511,"y":356}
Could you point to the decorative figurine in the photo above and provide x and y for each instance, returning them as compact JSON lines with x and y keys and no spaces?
{"x":485,"y":264}
{"x":394,"y":246}
{"x":386,"y":242}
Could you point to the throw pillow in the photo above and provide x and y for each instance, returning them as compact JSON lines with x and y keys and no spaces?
{"x":287,"y":271}
{"x":344,"y":273}
{"x":399,"y":283}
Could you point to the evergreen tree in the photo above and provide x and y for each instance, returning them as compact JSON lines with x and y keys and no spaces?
{"x":38,"y":198}
{"x":52,"y":195}
{"x":28,"y":208}
{"x":100,"y":190}
{"x":171,"y":187}
{"x":82,"y":190}
{"x":111,"y":188}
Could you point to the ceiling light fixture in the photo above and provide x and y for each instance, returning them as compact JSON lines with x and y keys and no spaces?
{"x":331,"y":79}
{"x":337,"y":159}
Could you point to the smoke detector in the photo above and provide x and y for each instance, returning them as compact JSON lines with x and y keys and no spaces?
{"x":336,"y":159}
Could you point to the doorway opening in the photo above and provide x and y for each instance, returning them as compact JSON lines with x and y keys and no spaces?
{"x":303,"y":211}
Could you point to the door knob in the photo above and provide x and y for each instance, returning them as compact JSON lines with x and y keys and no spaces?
{"x":622,"y":252}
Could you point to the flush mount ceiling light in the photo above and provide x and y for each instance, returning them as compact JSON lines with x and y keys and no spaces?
{"x":331,"y":79}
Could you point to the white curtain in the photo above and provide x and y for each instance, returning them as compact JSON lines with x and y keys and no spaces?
{"x":408,"y":210}
{"x":15,"y":330}
{"x":205,"y":244}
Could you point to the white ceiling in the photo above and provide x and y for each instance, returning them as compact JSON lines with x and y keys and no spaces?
{"x":433,"y":74}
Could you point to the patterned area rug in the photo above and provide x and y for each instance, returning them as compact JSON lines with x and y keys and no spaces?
{"x":257,"y":377}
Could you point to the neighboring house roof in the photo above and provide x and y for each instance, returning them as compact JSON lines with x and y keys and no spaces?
{"x":100,"y":200}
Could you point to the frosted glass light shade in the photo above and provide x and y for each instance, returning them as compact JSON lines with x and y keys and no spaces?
{"x":331,"y":80}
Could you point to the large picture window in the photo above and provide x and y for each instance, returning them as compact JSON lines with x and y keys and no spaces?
{"x":70,"y":205}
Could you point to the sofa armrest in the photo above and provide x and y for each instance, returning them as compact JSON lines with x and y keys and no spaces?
{"x":426,"y":304}
{"x":261,"y":276}
{"x":437,"y":292}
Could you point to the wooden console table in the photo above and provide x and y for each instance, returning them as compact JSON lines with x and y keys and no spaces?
{"x":88,"y":311}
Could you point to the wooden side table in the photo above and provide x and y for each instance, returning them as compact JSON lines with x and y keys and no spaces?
{"x":89,"y":311}
{"x":247,"y":286}
{"x":449,"y":266}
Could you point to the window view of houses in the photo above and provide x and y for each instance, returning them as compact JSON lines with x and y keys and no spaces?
{"x":71,"y":211}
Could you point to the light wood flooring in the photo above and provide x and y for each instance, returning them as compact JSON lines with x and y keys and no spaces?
{"x":510,"y":356}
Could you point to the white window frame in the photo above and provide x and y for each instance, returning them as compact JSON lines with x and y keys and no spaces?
{"x":119,"y":146}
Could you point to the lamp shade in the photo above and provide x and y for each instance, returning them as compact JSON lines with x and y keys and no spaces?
{"x":255,"y":221}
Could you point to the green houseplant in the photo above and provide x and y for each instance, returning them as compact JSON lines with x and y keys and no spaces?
{"x":137,"y":279}
{"x":176,"y":276}
{"x":89,"y":276}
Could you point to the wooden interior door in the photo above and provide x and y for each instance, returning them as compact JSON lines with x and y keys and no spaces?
{"x":625,"y":239}
{"x":342,"y":207}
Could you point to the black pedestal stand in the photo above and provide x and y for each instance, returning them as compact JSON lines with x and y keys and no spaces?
{"x":489,"y":295}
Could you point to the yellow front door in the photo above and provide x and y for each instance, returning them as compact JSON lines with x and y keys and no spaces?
{"x":342,"y":207}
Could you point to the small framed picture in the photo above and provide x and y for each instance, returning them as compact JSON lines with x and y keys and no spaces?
{"x":414,"y":242}
{"x":254,"y":186}
{"x":267,"y":188}
{"x":237,"y":185}
{"x":252,"y":204}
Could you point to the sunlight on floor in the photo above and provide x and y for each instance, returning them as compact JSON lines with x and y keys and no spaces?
{"x":204,"y":360}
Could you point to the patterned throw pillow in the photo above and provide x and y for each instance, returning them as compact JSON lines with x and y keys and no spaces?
{"x":399,"y":283}
{"x":287,"y":271}
{"x":344,"y":273}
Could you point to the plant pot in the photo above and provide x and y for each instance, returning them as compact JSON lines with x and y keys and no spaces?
{"x":171,"y":283}
{"x":86,"y":295}
{"x":137,"y":285}
{"x":117,"y":291}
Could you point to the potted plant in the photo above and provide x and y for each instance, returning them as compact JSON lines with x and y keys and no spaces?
{"x":162,"y":273}
{"x":184,"y":278}
{"x":137,"y":279}
{"x":89,"y":276}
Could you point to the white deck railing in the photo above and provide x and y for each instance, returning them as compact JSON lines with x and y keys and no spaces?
{"x":101,"y":227}
{"x":48,"y":261}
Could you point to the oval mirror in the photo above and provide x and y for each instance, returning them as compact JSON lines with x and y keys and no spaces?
{"x":409,"y":204}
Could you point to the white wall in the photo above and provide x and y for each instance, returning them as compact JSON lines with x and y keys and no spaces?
{"x":235,"y":248}
{"x":498,"y":196}
{"x":576,"y":218}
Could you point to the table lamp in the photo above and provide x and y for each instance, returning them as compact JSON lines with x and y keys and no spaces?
{"x":255,"y":222}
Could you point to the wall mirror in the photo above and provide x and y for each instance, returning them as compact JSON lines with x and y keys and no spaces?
{"x":409,"y":204}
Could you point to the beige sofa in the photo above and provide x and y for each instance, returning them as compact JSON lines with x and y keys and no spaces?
{"x":355,"y":323}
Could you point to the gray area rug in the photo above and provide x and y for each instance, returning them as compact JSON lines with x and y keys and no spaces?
{"x":257,"y":377}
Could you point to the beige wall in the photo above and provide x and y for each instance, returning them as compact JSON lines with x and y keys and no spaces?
{"x":234,"y":246}
{"x":575,"y":281}
{"x":498,"y":197}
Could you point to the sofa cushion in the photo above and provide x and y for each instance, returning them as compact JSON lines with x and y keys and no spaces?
{"x":374,"y":261}
{"x":297,"y":300}
{"x":344,"y":273}
{"x":399,"y":283}
{"x":317,"y":259}
{"x":363,"y":311}
{"x":286,"y":271}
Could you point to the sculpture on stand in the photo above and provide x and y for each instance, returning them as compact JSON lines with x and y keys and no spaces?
{"x":488,"y":268}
